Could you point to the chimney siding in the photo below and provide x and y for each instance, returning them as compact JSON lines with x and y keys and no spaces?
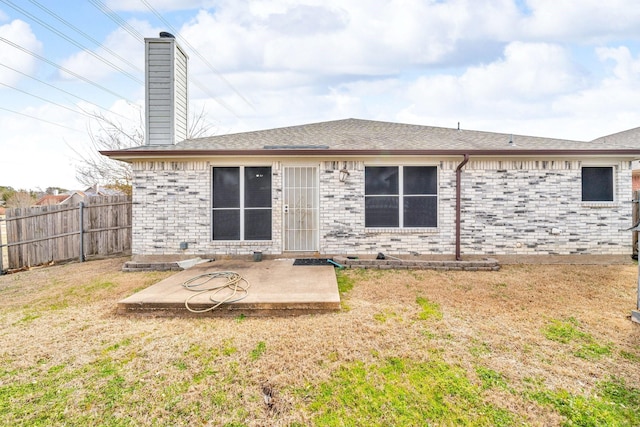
{"x":165,"y":92}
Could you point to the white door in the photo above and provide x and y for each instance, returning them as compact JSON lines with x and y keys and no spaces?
{"x":301,"y":201}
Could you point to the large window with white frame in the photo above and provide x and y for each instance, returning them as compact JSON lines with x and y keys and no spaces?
{"x":401,"y":196}
{"x":241,"y":208}
{"x":597,"y":184}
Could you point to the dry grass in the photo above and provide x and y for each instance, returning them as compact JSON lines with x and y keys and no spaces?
{"x":59,"y":327}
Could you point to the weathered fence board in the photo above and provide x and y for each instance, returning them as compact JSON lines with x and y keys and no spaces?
{"x":40,"y":235}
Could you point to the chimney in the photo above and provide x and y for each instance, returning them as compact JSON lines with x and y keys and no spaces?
{"x":165,"y":91}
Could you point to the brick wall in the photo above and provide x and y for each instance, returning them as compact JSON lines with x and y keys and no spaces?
{"x":535,"y":207}
{"x":508,"y":208}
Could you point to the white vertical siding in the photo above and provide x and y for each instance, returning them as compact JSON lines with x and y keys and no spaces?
{"x":166,"y":92}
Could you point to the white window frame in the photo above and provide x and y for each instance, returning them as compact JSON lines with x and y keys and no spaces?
{"x":242,"y":206}
{"x":613,"y":184}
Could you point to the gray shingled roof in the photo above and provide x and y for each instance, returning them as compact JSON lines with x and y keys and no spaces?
{"x":356,"y":134}
{"x":629,"y":137}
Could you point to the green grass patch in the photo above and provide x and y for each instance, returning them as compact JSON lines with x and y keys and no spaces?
{"x":480,"y":349}
{"x":592,"y":350}
{"x":632,"y":357}
{"x":490,"y":378}
{"x":430,"y":310}
{"x":403,"y":392}
{"x":569,"y":332}
{"x":228,"y":348}
{"x":98,"y":285}
{"x":258,"y":351}
{"x":386,"y":316}
{"x":42,"y":397}
{"x":345,"y":282}
{"x":612,"y":404}
{"x":564,"y":331}
{"x":29,"y":317}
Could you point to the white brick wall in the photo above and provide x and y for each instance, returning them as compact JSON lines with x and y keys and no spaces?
{"x":508,"y":208}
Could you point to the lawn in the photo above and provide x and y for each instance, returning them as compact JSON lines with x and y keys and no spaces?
{"x":528,"y":345}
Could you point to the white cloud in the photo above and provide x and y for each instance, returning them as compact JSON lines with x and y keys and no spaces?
{"x":517,"y":85}
{"x":535,"y":89}
{"x":34,"y":153}
{"x":118,"y":41}
{"x":159,"y":5}
{"x":329,"y":37}
{"x":610,"y":104}
{"x":593,"y":19}
{"x":18,"y":33}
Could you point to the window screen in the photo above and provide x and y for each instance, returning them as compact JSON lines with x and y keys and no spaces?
{"x":226,"y":188}
{"x":597,"y":184}
{"x":401,"y":196}
{"x":241,"y":203}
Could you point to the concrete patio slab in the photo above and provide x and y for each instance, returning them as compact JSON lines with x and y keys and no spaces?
{"x":276,"y":288}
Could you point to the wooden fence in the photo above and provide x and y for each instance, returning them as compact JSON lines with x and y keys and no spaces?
{"x":100,"y":226}
{"x":635,"y":217}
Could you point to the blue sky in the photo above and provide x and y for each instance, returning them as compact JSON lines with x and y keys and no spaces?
{"x":559,"y":68}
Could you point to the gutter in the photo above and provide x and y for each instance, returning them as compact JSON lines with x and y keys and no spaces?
{"x":458,"y":203}
{"x":175,"y":153}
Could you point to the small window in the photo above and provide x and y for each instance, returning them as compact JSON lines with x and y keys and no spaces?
{"x":597,"y":184}
{"x":241,"y":203}
{"x":401,"y":196}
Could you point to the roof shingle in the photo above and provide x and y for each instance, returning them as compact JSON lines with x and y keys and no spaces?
{"x":361,"y":135}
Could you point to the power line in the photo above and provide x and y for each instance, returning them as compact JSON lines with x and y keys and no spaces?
{"x":66,"y":70}
{"x":198,"y":54}
{"x":117,"y":19}
{"x":45,"y":99}
{"x":66,"y":92}
{"x":40,"y":119}
{"x":86,"y":36}
{"x":70,"y":40}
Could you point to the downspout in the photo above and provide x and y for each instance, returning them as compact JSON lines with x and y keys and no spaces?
{"x":458,"y":204}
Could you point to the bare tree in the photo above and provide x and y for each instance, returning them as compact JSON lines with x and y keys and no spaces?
{"x":20,"y":199}
{"x":109,"y":134}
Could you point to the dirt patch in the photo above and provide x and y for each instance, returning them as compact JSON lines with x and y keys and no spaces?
{"x":194,"y":371}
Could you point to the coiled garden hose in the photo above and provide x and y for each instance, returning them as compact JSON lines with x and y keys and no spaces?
{"x":201,"y":284}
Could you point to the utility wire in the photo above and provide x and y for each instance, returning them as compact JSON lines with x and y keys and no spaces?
{"x":45,"y":100}
{"x":98,"y":4}
{"x":117,"y":19}
{"x":198,"y":54}
{"x":85,"y":35}
{"x":66,"y":70}
{"x":40,"y":119}
{"x":67,"y":92}
{"x":72,"y":41}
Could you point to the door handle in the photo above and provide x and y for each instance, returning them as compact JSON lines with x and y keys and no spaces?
{"x":286,"y":208}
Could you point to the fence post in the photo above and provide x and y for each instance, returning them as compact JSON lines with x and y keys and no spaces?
{"x":635,"y":218}
{"x":81,"y":207}
{"x":2,"y":248}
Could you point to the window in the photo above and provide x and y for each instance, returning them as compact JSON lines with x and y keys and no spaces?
{"x":241,"y":203}
{"x":401,"y":196}
{"x":597,"y":184}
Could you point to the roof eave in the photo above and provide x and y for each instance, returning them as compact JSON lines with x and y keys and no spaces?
{"x":132,"y":155}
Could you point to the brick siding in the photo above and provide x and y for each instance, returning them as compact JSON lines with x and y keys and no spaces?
{"x":509,"y":207}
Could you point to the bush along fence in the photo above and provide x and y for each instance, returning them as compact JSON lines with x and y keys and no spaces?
{"x":100,"y":226}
